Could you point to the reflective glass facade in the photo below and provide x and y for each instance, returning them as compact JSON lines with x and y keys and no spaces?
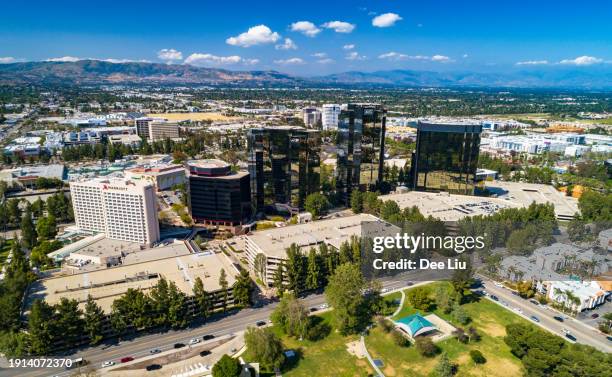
{"x":360,"y":148}
{"x":446,"y":157}
{"x":284,"y":164}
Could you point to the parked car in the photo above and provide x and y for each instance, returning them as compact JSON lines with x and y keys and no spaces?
{"x":204,"y":353}
{"x":313,"y":309}
{"x":153,"y":367}
{"x":570,"y":337}
{"x":208,"y":337}
{"x":194,"y":341}
{"x":494,"y":298}
{"x":179,"y":345}
{"x":260,"y":323}
{"x":594,"y":315}
{"x":609,"y":338}
{"x":108,"y":364}
{"x":535,"y":302}
{"x":535,"y":319}
{"x":126,"y":359}
{"x":560,"y":319}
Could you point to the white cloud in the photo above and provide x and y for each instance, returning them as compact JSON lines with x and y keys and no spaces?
{"x":582,"y":60}
{"x":325,"y":61}
{"x":533,"y":62}
{"x":441,"y":59}
{"x":287,"y":45}
{"x":393,"y":56}
{"x":64,"y":59}
{"x":199,"y":59}
{"x":169,"y":54}
{"x":305,"y":27}
{"x":465,"y":56}
{"x":396,"y":56}
{"x":348,"y":47}
{"x":118,"y":61}
{"x":339,"y":26}
{"x":289,"y":61}
{"x":354,"y":56}
{"x":7,"y":60}
{"x":256,"y":35}
{"x":319,"y":55}
{"x":386,"y":20}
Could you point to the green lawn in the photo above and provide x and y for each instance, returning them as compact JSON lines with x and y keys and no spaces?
{"x":488,"y":318}
{"x":326,"y":357}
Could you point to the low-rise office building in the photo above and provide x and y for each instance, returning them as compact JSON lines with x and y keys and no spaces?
{"x":270,"y":245}
{"x":163,"y":176}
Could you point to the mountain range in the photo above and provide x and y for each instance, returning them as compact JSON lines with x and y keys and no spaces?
{"x":96,"y":72}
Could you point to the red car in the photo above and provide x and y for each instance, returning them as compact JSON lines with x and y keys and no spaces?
{"x":127,"y":359}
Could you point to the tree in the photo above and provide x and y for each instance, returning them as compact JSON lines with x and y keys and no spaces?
{"x":291,"y":316}
{"x":278,"y":279}
{"x":28,"y":233}
{"x":94,"y":317}
{"x":426,"y":346}
{"x":160,"y":301}
{"x":132,"y":309}
{"x":444,"y":368}
{"x":444,"y":299}
{"x":264,"y":347}
{"x":356,"y":201}
{"x":344,"y":293}
{"x":316,"y":203}
{"x":224,"y":286}
{"x":202,"y":298}
{"x":313,"y":273}
{"x":177,"y":309}
{"x":477,"y":357}
{"x":419,"y":298}
{"x":46,"y":228}
{"x":68,"y":321}
{"x":40,"y":328}
{"x":243,"y":288}
{"x":399,"y":338}
{"x":460,"y":315}
{"x":38,"y":256}
{"x":295,"y":269}
{"x":463,"y":279}
{"x":226,"y":367}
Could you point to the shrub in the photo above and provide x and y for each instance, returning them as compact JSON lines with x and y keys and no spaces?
{"x":460,"y":315}
{"x":460,"y":335}
{"x":426,"y":347}
{"x":399,"y":338}
{"x":478,"y":357}
{"x":384,"y":324}
{"x":473,"y":334}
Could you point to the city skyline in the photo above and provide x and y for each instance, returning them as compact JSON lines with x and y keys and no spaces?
{"x":302,"y":39}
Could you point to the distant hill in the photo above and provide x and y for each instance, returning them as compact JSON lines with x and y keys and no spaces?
{"x":101,"y":72}
{"x":91,"y":72}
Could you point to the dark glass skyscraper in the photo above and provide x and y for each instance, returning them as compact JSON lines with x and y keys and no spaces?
{"x":446,"y":157}
{"x":360,"y":148}
{"x":284,"y":164}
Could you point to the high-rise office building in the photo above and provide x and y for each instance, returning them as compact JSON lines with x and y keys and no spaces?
{"x":329,"y":116}
{"x":312,"y":117}
{"x":360,"y":149}
{"x":218,"y":196}
{"x":446,"y":157}
{"x":123,"y":209}
{"x":284,"y":164}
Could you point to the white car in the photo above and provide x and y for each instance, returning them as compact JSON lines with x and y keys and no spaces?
{"x":323,"y":306}
{"x":500,"y":285}
{"x":518,"y":310}
{"x":194,"y":341}
{"x":108,"y":364}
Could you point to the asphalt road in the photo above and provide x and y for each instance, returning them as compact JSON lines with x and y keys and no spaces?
{"x":584,"y":334}
{"x":140,"y":346}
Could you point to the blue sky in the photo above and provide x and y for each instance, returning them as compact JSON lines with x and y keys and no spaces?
{"x":315,"y":37}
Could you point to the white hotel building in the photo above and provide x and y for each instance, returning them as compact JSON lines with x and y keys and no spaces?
{"x":120,"y":208}
{"x":329,"y":116}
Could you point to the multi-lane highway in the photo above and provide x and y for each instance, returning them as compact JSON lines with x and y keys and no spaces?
{"x":583,"y":333}
{"x":141,"y":346}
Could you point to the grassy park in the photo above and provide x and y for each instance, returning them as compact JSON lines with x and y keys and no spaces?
{"x":487,"y":317}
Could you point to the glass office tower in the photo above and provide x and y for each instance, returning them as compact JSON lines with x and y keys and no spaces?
{"x":446,"y":157}
{"x":360,"y":149}
{"x":284,"y":164}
